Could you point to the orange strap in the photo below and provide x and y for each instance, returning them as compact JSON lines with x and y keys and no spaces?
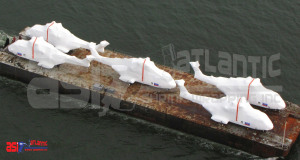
{"x":33,"y":48}
{"x":237,"y":110}
{"x":249,"y":89}
{"x":48,"y":29}
{"x":143,"y":70}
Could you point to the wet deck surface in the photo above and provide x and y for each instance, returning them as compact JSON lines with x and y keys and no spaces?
{"x":166,"y":101}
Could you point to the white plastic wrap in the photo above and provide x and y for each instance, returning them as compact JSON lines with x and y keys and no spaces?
{"x":229,"y":109}
{"x":60,"y":37}
{"x":131,"y":70}
{"x":47,"y":56}
{"x":250,"y":88}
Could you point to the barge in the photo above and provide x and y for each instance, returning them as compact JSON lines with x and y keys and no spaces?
{"x":100,"y":84}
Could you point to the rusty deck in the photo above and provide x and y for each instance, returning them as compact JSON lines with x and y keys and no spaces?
{"x":165,"y":107}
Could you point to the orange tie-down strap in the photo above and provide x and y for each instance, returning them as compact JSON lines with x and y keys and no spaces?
{"x":143,"y":70}
{"x":237,"y":110}
{"x":33,"y":48}
{"x":249,"y":89}
{"x":48,"y":29}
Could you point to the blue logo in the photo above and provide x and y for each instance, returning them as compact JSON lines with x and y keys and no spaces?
{"x":21,"y":146}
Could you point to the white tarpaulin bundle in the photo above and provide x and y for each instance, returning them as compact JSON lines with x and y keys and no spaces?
{"x":250,"y":88}
{"x":60,"y":37}
{"x":47,"y":56}
{"x":229,"y":109}
{"x":131,"y":70}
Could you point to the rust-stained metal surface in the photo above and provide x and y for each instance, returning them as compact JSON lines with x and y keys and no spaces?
{"x":168,"y":103}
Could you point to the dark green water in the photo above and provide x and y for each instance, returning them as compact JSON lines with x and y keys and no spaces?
{"x":142,"y":29}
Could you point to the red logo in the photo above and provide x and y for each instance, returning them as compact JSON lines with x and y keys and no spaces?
{"x":12,"y":146}
{"x":38,"y":143}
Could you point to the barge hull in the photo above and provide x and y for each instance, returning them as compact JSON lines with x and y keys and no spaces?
{"x":159,"y":106}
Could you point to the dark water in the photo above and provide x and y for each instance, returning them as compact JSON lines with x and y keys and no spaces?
{"x":143,"y":29}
